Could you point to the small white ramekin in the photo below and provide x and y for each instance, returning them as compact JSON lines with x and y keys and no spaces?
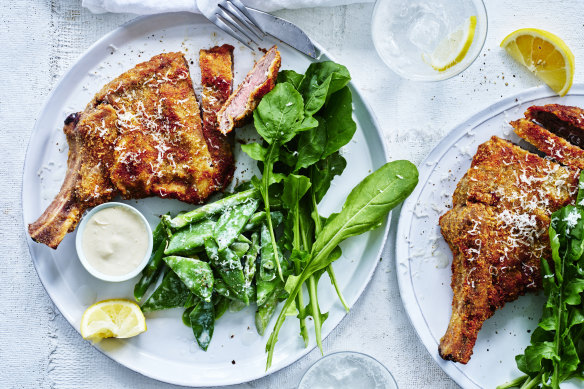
{"x":81,"y":254}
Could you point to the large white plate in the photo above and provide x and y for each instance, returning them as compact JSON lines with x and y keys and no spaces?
{"x":167,"y":351}
{"x":423,"y":258}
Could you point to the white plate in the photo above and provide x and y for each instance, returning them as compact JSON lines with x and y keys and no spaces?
{"x":167,"y":351}
{"x":423,"y":258}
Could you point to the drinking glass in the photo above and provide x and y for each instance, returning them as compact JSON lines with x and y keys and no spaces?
{"x":405,"y":32}
{"x":347,"y":370}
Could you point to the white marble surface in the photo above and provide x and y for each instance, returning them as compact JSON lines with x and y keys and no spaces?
{"x":42,"y":38}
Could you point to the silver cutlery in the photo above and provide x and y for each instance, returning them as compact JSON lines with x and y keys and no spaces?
{"x":250,"y":26}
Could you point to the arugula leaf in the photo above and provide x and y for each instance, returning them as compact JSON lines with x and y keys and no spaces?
{"x":365,"y":209}
{"x":295,"y":187}
{"x":255,"y":151}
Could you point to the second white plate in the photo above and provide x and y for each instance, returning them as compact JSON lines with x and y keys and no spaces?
{"x":423,"y":258}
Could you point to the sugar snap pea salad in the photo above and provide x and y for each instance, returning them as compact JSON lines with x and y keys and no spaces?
{"x":261,"y":244}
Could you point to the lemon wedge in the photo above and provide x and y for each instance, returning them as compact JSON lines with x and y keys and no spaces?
{"x":543,"y":53}
{"x":116,"y":318}
{"x":452,"y":49}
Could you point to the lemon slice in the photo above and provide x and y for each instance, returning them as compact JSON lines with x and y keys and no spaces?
{"x":452,"y":49}
{"x":116,"y":318}
{"x":543,"y":53}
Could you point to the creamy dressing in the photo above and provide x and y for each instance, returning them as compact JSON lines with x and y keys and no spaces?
{"x":115,"y":241}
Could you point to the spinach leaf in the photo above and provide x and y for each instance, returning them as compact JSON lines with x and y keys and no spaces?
{"x":290,"y":76}
{"x":323,"y":172}
{"x":278,"y":114}
{"x":338,"y":116}
{"x":320,"y":81}
{"x":311,"y":145}
{"x":295,"y":187}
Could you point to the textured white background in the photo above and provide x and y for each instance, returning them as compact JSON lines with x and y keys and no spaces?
{"x":40,"y":39}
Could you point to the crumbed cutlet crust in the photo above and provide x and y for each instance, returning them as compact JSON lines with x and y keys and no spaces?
{"x":497,"y":232}
{"x":216,"y":66}
{"x":140,"y":136}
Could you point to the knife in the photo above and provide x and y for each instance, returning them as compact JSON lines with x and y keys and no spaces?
{"x":286,"y":32}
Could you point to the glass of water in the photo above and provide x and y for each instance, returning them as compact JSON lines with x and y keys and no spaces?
{"x":407,"y":34}
{"x":347,"y":370}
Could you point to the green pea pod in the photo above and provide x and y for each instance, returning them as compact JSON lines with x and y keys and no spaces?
{"x":266,"y":310}
{"x":242,"y":239}
{"x":155,"y":266}
{"x":191,"y":301}
{"x":239,"y":249}
{"x":162,"y":231}
{"x":186,"y":319}
{"x":171,"y":293}
{"x":202,"y":319}
{"x":221,"y":305}
{"x":196,"y":275}
{"x":236,"y":306}
{"x":259,"y":218}
{"x":268,"y":256}
{"x":150,"y":272}
{"x":190,"y":239}
{"x":213,"y":208}
{"x":232,"y":221}
{"x":249,"y":262}
{"x":266,"y":278}
{"x":221,"y":288}
{"x":264,"y":289}
{"x":228,"y":266}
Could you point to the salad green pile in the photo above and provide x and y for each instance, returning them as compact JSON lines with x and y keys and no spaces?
{"x":262,"y":244}
{"x":556,"y":352}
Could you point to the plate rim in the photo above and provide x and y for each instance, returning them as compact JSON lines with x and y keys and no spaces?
{"x":36,"y":128}
{"x":406,"y":290}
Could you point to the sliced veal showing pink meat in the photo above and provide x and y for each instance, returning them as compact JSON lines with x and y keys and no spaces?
{"x":259,"y":81}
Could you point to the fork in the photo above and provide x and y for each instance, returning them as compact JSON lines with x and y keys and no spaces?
{"x":233,"y":17}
